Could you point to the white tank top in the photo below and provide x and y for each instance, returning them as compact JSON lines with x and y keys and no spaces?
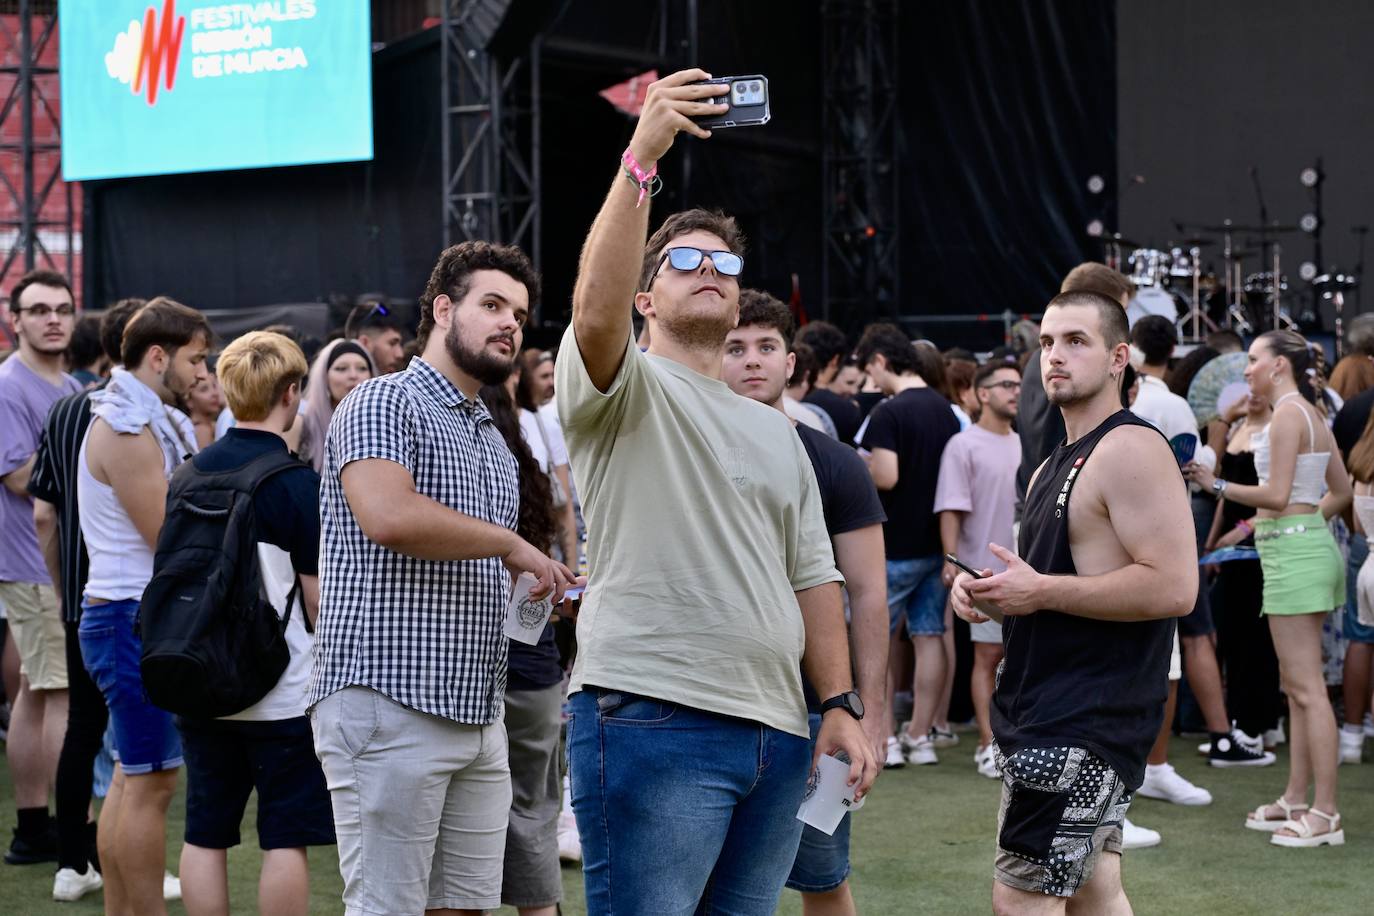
{"x":1309,"y":476}
{"x":121,"y":563}
{"x":1364,"y":511}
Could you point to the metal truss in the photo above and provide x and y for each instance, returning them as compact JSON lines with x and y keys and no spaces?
{"x":860,"y":266}
{"x":36,"y":146}
{"x":491,"y":125}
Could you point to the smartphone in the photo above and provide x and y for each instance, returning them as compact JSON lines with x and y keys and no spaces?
{"x":964,"y":566}
{"x":748,"y":101}
{"x":574,"y":593}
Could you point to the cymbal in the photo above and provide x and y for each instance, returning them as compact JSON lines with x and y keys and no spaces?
{"x":1271,"y":230}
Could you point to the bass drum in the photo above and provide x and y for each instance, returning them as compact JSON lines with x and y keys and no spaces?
{"x":1149,"y":267}
{"x":1152,"y":300}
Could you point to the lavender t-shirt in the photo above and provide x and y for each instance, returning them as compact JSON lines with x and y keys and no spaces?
{"x":25,"y":399}
{"x":978,"y":478}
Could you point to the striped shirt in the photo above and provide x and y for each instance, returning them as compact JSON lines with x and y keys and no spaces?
{"x":54,"y":481}
{"x":425,"y":633}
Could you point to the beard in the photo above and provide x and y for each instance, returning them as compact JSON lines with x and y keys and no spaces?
{"x":697,"y":332}
{"x":479,"y":364}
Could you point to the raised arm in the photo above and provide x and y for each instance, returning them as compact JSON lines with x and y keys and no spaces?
{"x":608,"y":273}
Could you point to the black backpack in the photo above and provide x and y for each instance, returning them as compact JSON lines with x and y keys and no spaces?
{"x":213,"y":645}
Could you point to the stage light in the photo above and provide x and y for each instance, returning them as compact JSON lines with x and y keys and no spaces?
{"x":1307,"y":271}
{"x":1310,"y":177}
{"x":1309,"y":223}
{"x":870,"y":231}
{"x":1096,"y":184}
{"x":1095,"y":228}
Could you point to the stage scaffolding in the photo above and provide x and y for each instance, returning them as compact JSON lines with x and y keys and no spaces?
{"x":860,"y":267}
{"x":31,"y":142}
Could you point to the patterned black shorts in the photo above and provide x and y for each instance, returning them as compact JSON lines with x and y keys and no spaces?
{"x":1062,"y":807}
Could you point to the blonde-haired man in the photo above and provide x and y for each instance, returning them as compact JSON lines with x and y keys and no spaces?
{"x":267,"y":747}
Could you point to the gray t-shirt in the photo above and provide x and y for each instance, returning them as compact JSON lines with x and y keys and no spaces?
{"x":703,"y":521}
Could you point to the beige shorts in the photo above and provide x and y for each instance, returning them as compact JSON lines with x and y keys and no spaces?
{"x":36,"y":622}
{"x":420,"y":804}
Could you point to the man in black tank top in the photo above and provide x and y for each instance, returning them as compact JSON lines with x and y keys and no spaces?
{"x":1107,"y":560}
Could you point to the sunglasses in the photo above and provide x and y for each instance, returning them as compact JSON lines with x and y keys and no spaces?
{"x":726,"y":263}
{"x":1006,"y":386}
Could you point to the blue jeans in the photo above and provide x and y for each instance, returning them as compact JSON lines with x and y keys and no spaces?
{"x":822,"y":862}
{"x":681,"y":811}
{"x":146,"y":738}
{"x":1354,"y":630}
{"x":916,"y":594}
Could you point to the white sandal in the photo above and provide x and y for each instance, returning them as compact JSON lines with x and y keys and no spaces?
{"x":1256,"y":820}
{"x":1334,"y":836}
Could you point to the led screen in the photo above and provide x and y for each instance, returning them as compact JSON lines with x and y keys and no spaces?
{"x":151,"y":87}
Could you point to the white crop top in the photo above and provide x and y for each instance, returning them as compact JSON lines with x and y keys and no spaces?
{"x":1364,"y":511}
{"x":1309,"y":476}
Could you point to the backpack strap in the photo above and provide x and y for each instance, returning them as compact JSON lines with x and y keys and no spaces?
{"x":253,"y":475}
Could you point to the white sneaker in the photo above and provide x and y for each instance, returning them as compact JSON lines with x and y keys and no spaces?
{"x":171,"y":886}
{"x":943,"y":737}
{"x":895,"y":758}
{"x":569,"y":843}
{"x":70,"y":885}
{"x":1275,"y":736}
{"x":986,"y":758}
{"x":1352,"y":746}
{"x":1164,"y":783}
{"x":1133,"y":837}
{"x":1369,"y":725}
{"x":919,"y":752}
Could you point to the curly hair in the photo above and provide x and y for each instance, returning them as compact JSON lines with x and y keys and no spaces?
{"x":536,"y":522}
{"x":760,"y":309}
{"x":455,"y":266}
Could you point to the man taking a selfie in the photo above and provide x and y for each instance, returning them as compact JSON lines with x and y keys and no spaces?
{"x":712,"y":580}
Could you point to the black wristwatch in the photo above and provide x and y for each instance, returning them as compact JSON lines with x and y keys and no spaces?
{"x":849,"y":702}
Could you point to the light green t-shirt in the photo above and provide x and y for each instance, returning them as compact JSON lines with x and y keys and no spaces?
{"x":703,"y":521}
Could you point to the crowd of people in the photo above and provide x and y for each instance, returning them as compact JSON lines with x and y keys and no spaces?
{"x":745,"y":535}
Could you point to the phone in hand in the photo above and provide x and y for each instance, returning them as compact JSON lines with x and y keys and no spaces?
{"x":747,"y":97}
{"x":990,"y":611}
{"x":964,"y":566}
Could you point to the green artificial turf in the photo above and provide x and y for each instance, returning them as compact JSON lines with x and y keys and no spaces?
{"x":923,"y":844}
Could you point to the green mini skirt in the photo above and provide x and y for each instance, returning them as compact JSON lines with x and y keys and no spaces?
{"x":1303,"y":570}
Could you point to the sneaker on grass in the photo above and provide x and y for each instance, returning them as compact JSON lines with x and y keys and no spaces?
{"x":942,"y":737}
{"x":895,"y":758}
{"x":1352,"y":744}
{"x":986,"y":758}
{"x":70,"y":885}
{"x":919,"y":751}
{"x":1238,"y":750}
{"x":1133,"y":837}
{"x":1163,"y":782}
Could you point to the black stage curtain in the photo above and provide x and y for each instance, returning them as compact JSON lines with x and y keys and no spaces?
{"x":1008,"y":109}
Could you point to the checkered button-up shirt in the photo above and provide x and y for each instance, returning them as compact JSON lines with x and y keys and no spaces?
{"x":425,"y":633}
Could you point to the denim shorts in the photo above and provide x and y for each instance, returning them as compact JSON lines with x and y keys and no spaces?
{"x":146,"y":738}
{"x":226,"y":760}
{"x":822,"y":862}
{"x":916,"y":594}
{"x":1354,"y":630}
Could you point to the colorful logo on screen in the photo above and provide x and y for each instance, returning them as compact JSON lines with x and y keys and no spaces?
{"x":147,"y":53}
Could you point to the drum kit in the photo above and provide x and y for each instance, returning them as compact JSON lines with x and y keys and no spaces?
{"x":1248,"y":295}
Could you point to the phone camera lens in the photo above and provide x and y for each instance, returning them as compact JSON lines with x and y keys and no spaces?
{"x":756,"y":87}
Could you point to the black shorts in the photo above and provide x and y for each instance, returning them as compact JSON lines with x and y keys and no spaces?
{"x":227,"y":760}
{"x":1199,"y":622}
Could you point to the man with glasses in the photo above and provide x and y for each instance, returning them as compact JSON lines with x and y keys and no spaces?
{"x":379,"y":332}
{"x":976,"y":502}
{"x":710,"y":567}
{"x":42,"y":315}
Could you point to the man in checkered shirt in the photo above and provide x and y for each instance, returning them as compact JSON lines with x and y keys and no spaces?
{"x":418,"y":509}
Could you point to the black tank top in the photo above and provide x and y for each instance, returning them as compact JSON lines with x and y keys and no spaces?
{"x":1072,"y":681}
